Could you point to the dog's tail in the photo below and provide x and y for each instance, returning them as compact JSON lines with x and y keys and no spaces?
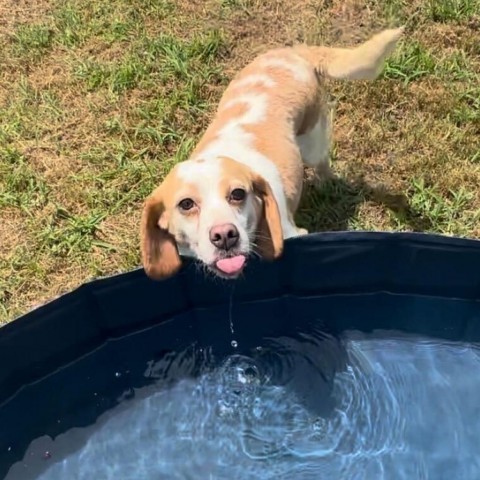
{"x":363,"y":62}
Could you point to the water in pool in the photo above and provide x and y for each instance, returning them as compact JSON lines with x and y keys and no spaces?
{"x":363,"y":406}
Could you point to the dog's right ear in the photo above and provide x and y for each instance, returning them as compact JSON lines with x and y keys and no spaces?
{"x":159,"y":251}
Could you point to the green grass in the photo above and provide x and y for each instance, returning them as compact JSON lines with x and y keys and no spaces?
{"x":467,"y":110}
{"x":20,"y":186}
{"x":414,"y":60}
{"x":65,"y":233}
{"x":161,"y":59}
{"x":99,"y":100}
{"x":452,"y":212}
{"x":33,"y":39}
{"x":410,"y":62}
{"x":453,"y":10}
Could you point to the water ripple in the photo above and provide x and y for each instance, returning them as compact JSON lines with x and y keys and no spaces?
{"x":305,"y":407}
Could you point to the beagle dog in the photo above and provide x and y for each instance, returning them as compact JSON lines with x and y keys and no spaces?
{"x":238,"y":192}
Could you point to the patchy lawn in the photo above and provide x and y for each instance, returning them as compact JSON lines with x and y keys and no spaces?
{"x":99,"y":99}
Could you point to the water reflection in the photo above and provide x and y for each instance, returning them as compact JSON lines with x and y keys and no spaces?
{"x":376,"y":406}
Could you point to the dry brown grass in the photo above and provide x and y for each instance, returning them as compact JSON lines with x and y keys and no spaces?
{"x":14,"y":13}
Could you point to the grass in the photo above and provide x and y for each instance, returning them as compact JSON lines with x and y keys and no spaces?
{"x":98,"y":100}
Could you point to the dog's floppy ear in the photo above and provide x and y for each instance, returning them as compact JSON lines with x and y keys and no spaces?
{"x":269,"y":230}
{"x":160,"y":256}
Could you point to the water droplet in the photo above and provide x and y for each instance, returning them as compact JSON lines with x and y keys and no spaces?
{"x":230,"y":309}
{"x":224,"y":409}
{"x":127,"y":394}
{"x":118,"y":374}
{"x":258,"y":349}
{"x":318,"y":425}
{"x":234,"y":344}
{"x":9,"y":449}
{"x":47,"y":455}
{"x":257,"y":408}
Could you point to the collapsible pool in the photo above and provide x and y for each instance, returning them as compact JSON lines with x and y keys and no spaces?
{"x":355,"y":356}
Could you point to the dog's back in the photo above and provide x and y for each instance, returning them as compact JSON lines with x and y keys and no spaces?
{"x":272,"y":111}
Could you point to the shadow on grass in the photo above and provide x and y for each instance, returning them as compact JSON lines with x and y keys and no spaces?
{"x":334,"y":205}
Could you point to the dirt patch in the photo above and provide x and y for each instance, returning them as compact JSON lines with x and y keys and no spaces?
{"x":22,"y":12}
{"x":13,"y":232}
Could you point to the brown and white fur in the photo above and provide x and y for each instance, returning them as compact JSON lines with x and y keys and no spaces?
{"x":271,"y":121}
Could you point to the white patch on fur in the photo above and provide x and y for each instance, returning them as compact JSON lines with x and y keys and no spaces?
{"x":214,"y":210}
{"x":314,"y":145}
{"x":299,"y":68}
{"x":235,"y":143}
{"x":254,"y":79}
{"x":188,"y":171}
{"x":257,"y":108}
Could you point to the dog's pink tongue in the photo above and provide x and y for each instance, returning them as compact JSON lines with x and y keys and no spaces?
{"x":231,"y":265}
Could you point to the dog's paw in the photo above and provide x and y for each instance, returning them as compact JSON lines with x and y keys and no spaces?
{"x":302,"y":231}
{"x":320,"y":175}
{"x":323,"y":174}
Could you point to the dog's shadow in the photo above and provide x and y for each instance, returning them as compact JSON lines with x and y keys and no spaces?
{"x":334,"y":205}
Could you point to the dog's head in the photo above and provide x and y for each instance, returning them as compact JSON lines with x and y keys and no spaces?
{"x":219,"y":211}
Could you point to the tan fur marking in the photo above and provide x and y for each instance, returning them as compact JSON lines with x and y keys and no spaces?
{"x":223,"y":116}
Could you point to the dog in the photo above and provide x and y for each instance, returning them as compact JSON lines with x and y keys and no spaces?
{"x":237,"y":194}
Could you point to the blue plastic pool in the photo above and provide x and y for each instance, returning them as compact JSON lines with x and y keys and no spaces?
{"x":355,"y":356}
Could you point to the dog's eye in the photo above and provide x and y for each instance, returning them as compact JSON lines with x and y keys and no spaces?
{"x":238,"y":194}
{"x":186,"y":204}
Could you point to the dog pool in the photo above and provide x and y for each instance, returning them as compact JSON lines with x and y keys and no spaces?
{"x":307,"y":406}
{"x":307,"y":383}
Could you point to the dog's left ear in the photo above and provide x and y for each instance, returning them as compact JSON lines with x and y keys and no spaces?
{"x":269,"y":230}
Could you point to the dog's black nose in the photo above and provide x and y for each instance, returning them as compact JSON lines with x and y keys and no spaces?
{"x":224,"y":236}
